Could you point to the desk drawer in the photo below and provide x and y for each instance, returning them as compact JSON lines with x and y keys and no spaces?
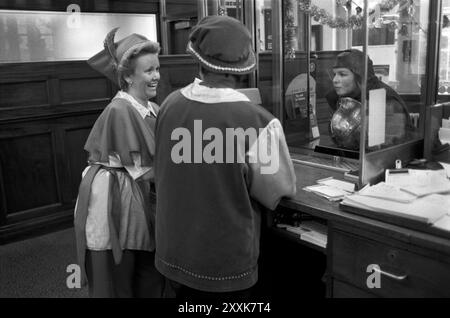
{"x":404,"y":274}
{"x":343,"y":290}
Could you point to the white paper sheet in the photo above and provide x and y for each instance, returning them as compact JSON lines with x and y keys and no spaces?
{"x":446,"y":123}
{"x":417,"y":179}
{"x":342,"y":185}
{"x":446,"y":167}
{"x":377,"y":117}
{"x":326,"y":191}
{"x":387,"y":192}
{"x":427,"y":209}
{"x":444,"y":135}
{"x":443,"y":223}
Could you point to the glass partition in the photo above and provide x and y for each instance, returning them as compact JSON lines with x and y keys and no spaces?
{"x":354,"y":78}
{"x":444,"y":54}
{"x":264,"y":46}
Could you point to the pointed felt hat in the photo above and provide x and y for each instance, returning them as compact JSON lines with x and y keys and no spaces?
{"x":109,"y":60}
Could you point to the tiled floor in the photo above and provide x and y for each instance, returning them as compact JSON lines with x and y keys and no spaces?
{"x":37,"y":267}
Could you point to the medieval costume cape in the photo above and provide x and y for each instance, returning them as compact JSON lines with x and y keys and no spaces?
{"x":113,"y":210}
{"x":122,"y":131}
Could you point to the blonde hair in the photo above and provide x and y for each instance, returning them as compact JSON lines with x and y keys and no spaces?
{"x":128,"y":65}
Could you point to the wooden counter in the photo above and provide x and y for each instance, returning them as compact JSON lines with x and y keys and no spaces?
{"x":414,"y":264}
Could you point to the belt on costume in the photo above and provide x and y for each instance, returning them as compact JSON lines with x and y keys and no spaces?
{"x":113,"y":212}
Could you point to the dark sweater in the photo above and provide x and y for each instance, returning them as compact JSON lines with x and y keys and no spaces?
{"x":208,"y":214}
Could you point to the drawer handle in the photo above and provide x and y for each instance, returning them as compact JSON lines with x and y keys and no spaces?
{"x":395,"y":277}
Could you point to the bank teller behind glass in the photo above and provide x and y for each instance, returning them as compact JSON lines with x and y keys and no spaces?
{"x":345,"y":100}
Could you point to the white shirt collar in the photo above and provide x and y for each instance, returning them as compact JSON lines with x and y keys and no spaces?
{"x":208,"y":95}
{"x":143,"y":111}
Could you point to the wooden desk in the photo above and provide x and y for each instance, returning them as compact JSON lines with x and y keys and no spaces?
{"x":416,"y":264}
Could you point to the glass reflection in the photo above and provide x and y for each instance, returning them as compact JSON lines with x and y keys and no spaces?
{"x":444,"y":58}
{"x":34,"y":36}
{"x":397,"y":54}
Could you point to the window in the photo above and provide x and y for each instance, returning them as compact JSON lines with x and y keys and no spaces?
{"x":34,"y":36}
{"x":444,"y":61}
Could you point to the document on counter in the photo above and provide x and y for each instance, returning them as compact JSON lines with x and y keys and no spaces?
{"x":427,"y":189}
{"x":387,"y":192}
{"x":444,"y":135}
{"x":338,"y":184}
{"x":446,"y":168}
{"x":331,"y":193}
{"x":427,"y":209}
{"x":443,"y":223}
{"x":419,"y":182}
{"x":446,"y":123}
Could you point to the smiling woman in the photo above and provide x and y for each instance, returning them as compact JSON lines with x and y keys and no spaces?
{"x":114,"y":218}
{"x":139,"y":75}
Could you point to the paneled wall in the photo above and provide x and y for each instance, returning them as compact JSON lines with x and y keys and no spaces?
{"x":46,"y":113}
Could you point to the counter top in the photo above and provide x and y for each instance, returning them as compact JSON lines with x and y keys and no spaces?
{"x":317,"y":206}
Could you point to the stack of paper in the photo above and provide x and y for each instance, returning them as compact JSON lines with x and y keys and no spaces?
{"x":327,"y":192}
{"x":420,"y":182}
{"x":443,"y":223}
{"x":338,"y":184}
{"x":315,"y":233}
{"x":446,"y":168}
{"x":331,"y":189}
{"x":427,"y":209}
{"x":444,"y":132}
{"x":293,"y":229}
{"x":310,"y":231}
{"x":387,"y":192}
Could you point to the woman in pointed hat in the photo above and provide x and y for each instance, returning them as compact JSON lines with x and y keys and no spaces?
{"x":114,"y":216}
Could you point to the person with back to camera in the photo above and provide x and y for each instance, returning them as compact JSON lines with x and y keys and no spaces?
{"x":209,"y":202}
{"x":114,"y":215}
{"x":345,"y":101}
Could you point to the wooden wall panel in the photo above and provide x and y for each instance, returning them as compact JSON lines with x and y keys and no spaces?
{"x":82,"y":89}
{"x":76,"y":156}
{"x":28,"y":166}
{"x":182,"y":8}
{"x":24,"y":94}
{"x":176,"y":72}
{"x":41,"y":147}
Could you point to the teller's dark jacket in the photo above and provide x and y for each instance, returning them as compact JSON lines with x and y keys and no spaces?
{"x":208,"y":214}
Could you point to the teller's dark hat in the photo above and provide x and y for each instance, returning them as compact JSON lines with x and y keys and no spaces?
{"x":222,"y":45}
